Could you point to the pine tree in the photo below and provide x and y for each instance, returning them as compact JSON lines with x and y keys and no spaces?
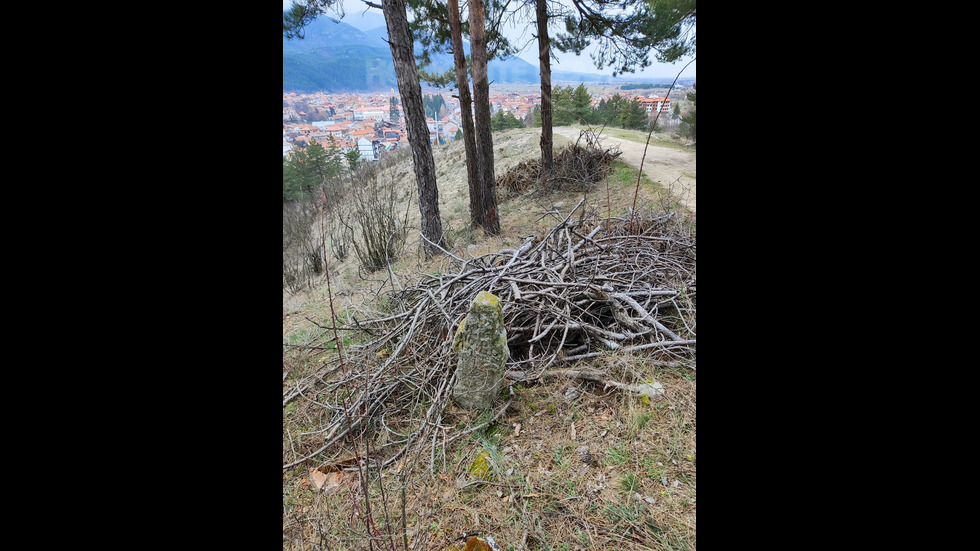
{"x":632,"y":115}
{"x":503,"y":121}
{"x":481,"y":104}
{"x":626,"y":32}
{"x":466,"y":113}
{"x":410,"y":89}
{"x":303,"y":12}
{"x":434,"y":27}
{"x":689,"y":122}
{"x":582,"y":105}
{"x":543,"y":115}
{"x":563,"y":113}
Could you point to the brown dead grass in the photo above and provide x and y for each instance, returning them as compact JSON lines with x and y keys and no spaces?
{"x":602,"y":470}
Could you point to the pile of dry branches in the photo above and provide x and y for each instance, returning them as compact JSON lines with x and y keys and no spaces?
{"x":520,"y":177}
{"x":587,"y":288}
{"x":576,"y":168}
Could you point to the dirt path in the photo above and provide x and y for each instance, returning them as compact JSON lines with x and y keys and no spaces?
{"x":673,"y":169}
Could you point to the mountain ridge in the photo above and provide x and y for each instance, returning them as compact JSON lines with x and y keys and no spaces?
{"x":334,"y":56}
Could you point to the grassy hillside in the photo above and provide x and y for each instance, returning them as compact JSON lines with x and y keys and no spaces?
{"x":567,"y":463}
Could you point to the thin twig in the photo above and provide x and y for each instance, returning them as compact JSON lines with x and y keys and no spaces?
{"x":644,"y":157}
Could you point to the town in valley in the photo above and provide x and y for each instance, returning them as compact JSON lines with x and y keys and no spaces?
{"x":374,"y":124}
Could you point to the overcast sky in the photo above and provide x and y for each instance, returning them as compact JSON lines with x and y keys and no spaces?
{"x":357,"y":17}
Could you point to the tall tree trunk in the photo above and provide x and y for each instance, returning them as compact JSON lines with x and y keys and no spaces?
{"x":466,"y":112}
{"x":544,"y":58}
{"x":481,"y":106}
{"x":410,"y":90}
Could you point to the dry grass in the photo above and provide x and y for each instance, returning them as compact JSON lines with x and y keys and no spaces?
{"x":600,"y":471}
{"x":571,"y":465}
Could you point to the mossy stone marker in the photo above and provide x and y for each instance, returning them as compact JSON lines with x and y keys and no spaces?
{"x":481,"y":342}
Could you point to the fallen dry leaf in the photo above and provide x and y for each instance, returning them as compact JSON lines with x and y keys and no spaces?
{"x":319,"y":479}
{"x":327,"y":482}
{"x":517,"y":429}
{"x":334,"y":480}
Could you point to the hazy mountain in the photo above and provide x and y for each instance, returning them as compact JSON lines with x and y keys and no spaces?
{"x":336,"y":57}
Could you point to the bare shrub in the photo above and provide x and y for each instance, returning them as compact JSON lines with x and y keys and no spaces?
{"x":347,"y":213}
{"x":301,"y":258}
{"x":340,"y":238}
{"x":374,"y":218}
{"x":304,"y":222}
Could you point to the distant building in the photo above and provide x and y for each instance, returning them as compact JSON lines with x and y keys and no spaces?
{"x":437,"y":132}
{"x":362,"y":133}
{"x":378,"y":113}
{"x":337,"y":130}
{"x":653,"y":105}
{"x":322,"y":138}
{"x":369,"y":149}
